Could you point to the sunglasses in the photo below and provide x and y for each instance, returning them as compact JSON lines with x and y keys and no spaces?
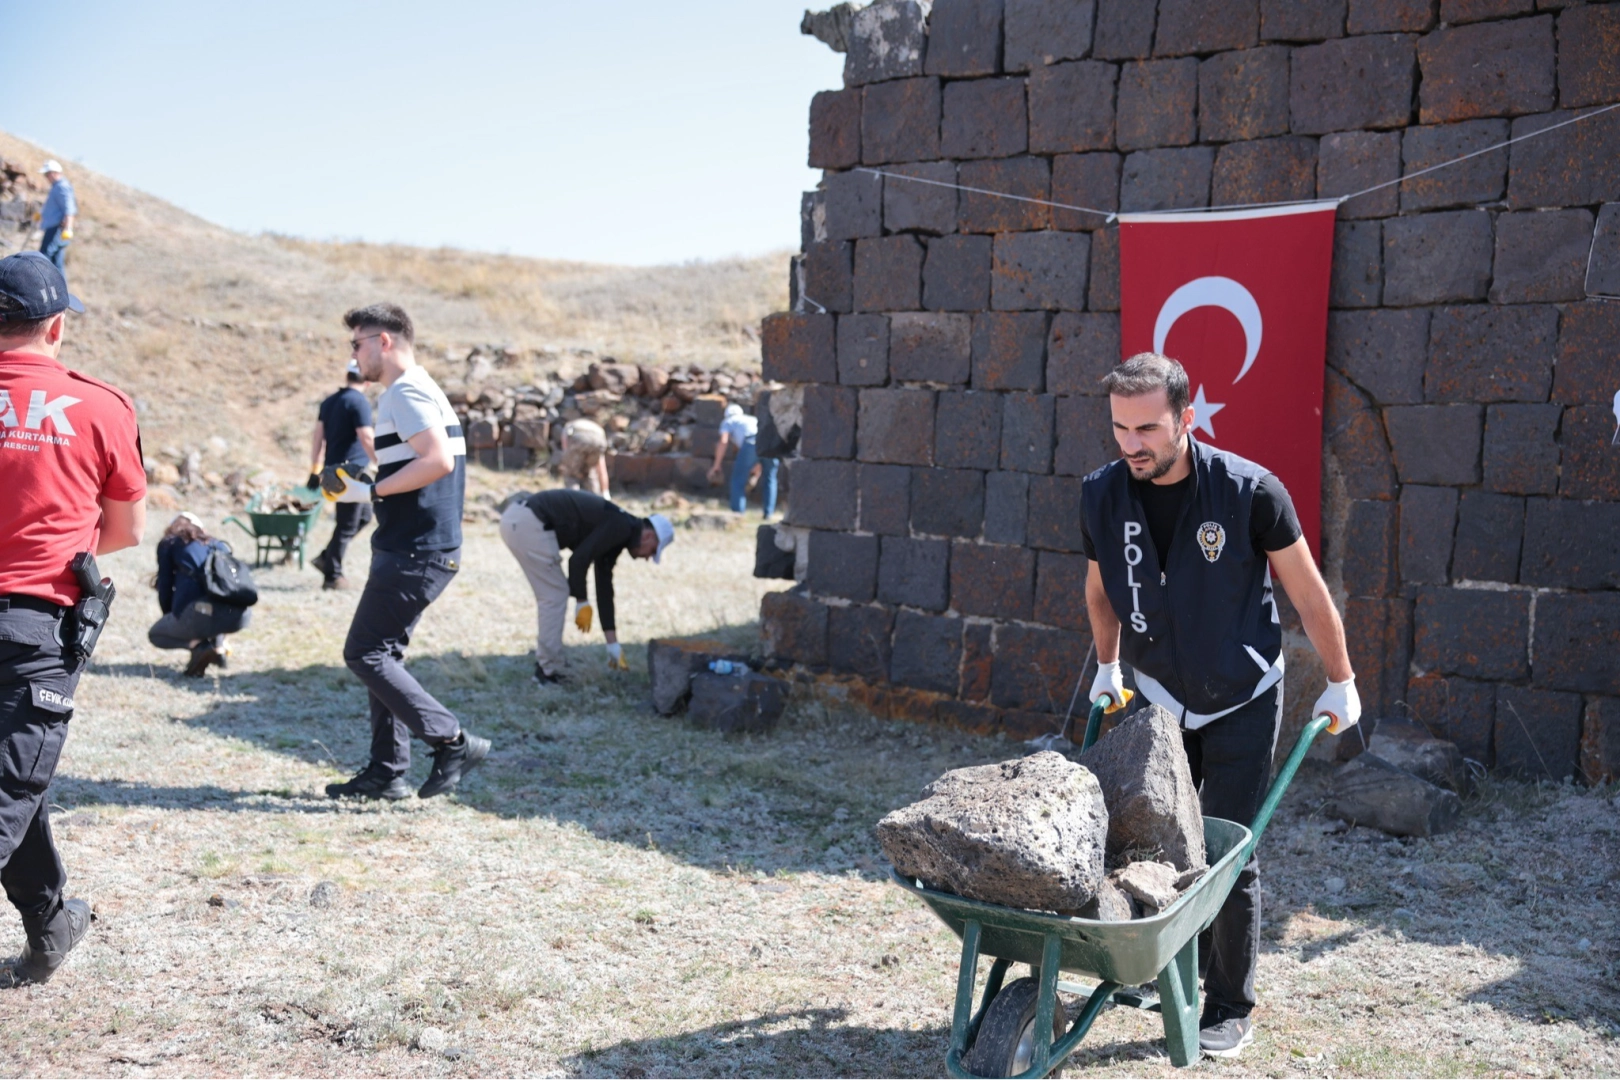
{"x":354,"y":343}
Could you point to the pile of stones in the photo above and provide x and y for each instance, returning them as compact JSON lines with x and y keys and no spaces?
{"x":1116,"y":835}
{"x":22,"y":194}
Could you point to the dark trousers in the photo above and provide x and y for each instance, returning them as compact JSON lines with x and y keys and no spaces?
{"x":351,"y":518}
{"x":399,"y":590}
{"x":198,"y":621}
{"x":36,"y":702}
{"x":1231,"y":764}
{"x":53,"y":248}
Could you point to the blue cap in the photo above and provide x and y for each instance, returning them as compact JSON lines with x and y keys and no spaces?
{"x":34,"y":288}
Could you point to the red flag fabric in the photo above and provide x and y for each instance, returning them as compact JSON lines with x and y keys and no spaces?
{"x":1240,"y":298}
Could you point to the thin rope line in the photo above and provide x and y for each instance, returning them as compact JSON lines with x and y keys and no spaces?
{"x":1108,"y":214}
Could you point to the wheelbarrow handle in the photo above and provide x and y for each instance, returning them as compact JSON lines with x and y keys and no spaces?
{"x":234,"y":520}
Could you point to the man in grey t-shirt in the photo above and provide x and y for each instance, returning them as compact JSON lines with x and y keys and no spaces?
{"x":415,"y":552}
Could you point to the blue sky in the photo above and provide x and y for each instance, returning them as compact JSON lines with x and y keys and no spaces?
{"x":631,"y":131}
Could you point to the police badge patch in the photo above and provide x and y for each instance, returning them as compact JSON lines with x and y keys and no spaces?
{"x":1212,"y":538}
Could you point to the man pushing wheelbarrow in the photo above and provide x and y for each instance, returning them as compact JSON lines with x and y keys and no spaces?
{"x":1182,"y":541}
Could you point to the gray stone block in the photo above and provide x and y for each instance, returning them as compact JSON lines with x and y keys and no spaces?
{"x":770,"y":561}
{"x":1054,"y":513}
{"x":1457,"y":12}
{"x":798,"y":348}
{"x":1039,"y":33}
{"x":1034,"y":668}
{"x":1026,"y":833}
{"x":964,"y":38}
{"x":1166,"y":179}
{"x":900,"y":121}
{"x":1489,"y":69}
{"x":829,"y":275}
{"x":822,"y":494}
{"x":1352,"y":83}
{"x":1085,"y":439}
{"x":1071,"y":107}
{"x":1387,"y":16}
{"x":1158,"y":104}
{"x":750,"y":702}
{"x":671,"y":663}
{"x":1490,"y":533}
{"x":1371,"y":792}
{"x":1437,"y":258}
{"x":1491,"y":353}
{"x":1006,"y":507}
{"x":1040,"y":271}
{"x":1521,"y":448}
{"x":1092,"y":181}
{"x":1205,"y":26}
{"x":1009,"y":350}
{"x":1264,"y":171}
{"x":1577,"y":643}
{"x":1081,"y":348}
{"x":1538,"y":733}
{"x":1587,"y":361}
{"x":863,"y":352}
{"x":1541,"y":257}
{"x":967,"y":430}
{"x":1428,"y":524}
{"x":1570,"y":545}
{"x":1350,"y":161}
{"x":956,"y":273}
{"x":1124,"y":29}
{"x":1571,"y":168}
{"x":843,"y":565}
{"x":1467,"y":183}
{"x":930,"y":346}
{"x":1153,"y":808}
{"x":1371,"y":560}
{"x":911,"y":206}
{"x":1026,"y":432}
{"x":828,"y":425}
{"x":994,"y":580}
{"x":914,"y":573}
{"x":853,"y":203}
{"x":1356,"y":437}
{"x":1060,"y":591}
{"x":927,"y":651}
{"x":835,"y":129}
{"x":1384,"y":352}
{"x":947,"y":502}
{"x":1603,"y":276}
{"x":1588,"y":42}
{"x":858,"y":640}
{"x":1026,"y":177}
{"x":885,"y":499}
{"x":793,"y":627}
{"x":888,"y":274}
{"x":1358,"y":264}
{"x":1104,"y":293}
{"x":1435,"y":444}
{"x":1301,"y":20}
{"x":896,"y":427}
{"x":1243,"y":95}
{"x":984,"y":118}
{"x":886,"y":41}
{"x":1408,"y":745}
{"x":1475,"y":633}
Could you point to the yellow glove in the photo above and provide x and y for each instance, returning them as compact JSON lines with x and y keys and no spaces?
{"x":66,"y":234}
{"x":582,"y":618}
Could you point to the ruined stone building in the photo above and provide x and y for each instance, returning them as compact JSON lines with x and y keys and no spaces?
{"x":948,"y":344}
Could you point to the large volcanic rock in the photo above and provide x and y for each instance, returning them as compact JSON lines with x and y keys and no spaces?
{"x":1027,"y":833}
{"x":1153,"y":811}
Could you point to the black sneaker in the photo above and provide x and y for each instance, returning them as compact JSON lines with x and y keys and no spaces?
{"x":1225,"y":1036}
{"x":544,"y":678}
{"x":321,"y":563}
{"x":49,"y":942}
{"x":371,"y":782}
{"x":450,"y":761}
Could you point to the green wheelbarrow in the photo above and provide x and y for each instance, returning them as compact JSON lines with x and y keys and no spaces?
{"x":1018,"y":1030}
{"x":280,"y":532}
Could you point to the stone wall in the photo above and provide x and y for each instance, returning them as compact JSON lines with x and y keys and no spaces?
{"x":950,"y":343}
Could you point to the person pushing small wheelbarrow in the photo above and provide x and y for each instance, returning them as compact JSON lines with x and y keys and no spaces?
{"x":1183,"y":540}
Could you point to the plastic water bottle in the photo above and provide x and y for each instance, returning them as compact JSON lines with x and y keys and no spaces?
{"x":727,"y":667}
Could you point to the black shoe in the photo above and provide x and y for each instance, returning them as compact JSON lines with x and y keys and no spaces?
{"x":371,"y":782}
{"x":1225,"y":1036}
{"x":545,"y":679}
{"x":202,"y":655}
{"x":323,"y":564}
{"x":450,"y":761}
{"x":49,"y":942}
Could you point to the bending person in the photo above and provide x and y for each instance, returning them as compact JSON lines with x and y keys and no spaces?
{"x":538,"y":528}
{"x":742,"y":430}
{"x":191,"y":618}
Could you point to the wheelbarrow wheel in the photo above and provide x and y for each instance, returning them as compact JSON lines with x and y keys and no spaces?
{"x":1006,"y":1042}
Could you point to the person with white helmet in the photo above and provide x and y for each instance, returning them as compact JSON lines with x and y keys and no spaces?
{"x":61,"y":210}
{"x":741,"y":430}
{"x":537,"y":529}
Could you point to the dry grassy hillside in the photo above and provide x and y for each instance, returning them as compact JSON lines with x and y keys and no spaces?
{"x":228,"y":341}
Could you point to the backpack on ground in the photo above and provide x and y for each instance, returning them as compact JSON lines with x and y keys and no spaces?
{"x":227,"y":579}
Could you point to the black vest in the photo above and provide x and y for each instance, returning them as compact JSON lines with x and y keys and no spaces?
{"x":1203,"y":627}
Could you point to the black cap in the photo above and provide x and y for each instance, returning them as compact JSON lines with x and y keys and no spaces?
{"x":33,"y":283}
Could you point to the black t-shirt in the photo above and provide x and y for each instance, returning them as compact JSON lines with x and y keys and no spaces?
{"x":1273,"y":523}
{"x":341,"y":414}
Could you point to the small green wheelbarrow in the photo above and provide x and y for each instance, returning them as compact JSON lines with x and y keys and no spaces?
{"x":280,"y":532}
{"x":1018,"y":1030}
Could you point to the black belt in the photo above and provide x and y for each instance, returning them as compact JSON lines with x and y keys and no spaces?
{"x":19,"y":602}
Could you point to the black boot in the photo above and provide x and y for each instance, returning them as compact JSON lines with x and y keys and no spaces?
{"x":372,"y":782}
{"x":450,"y":760}
{"x":49,"y":942}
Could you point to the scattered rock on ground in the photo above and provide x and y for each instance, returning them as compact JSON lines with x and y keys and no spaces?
{"x":671,"y":663}
{"x":1408,"y":745}
{"x":432,"y":1039}
{"x":323,"y":894}
{"x":748,"y":702}
{"x":1152,"y":801}
{"x":1027,"y":833}
{"x":1367,"y":790}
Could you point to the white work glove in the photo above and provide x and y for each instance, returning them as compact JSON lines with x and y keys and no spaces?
{"x":1341,"y":702}
{"x":338,"y":486}
{"x":1111,"y":681}
{"x":616,"y":661}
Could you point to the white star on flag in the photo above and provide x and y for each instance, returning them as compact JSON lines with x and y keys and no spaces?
{"x":1203,"y":412}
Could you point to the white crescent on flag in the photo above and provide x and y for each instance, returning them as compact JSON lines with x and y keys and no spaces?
{"x":1221,"y":292}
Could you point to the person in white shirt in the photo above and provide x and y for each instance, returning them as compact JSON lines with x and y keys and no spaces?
{"x":741,"y":430}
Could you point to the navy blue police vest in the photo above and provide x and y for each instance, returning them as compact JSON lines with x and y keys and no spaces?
{"x":1201,"y":632}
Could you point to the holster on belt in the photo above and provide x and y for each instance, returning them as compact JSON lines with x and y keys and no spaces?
{"x":89,"y":615}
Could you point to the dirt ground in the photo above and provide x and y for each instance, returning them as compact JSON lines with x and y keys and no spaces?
{"x":617,"y":894}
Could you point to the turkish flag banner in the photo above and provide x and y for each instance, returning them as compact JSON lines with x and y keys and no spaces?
{"x":1240,"y":298}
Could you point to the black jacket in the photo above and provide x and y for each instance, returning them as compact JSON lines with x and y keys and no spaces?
{"x":1201,"y":632}
{"x":596,"y":531}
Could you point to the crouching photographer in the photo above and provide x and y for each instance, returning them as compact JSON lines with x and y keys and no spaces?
{"x":205,"y":593}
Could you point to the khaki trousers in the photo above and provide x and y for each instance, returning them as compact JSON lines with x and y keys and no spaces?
{"x":535,"y":548}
